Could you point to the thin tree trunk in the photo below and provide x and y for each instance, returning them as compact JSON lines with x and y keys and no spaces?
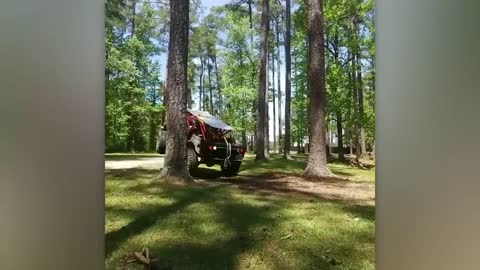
{"x":317,"y":158}
{"x":355,"y":112}
{"x":200,"y":96}
{"x":219,"y":91}
{"x":363,"y":150}
{"x":253,"y":72}
{"x":162,"y":114}
{"x":273,"y":104}
{"x":261,"y":113}
{"x":175,"y":162}
{"x":279,"y":90}
{"x":133,"y":17}
{"x":341,"y":154}
{"x":288,"y":82}
{"x":267,"y":111}
{"x":153,"y":123}
{"x":210,"y":85}
{"x":338,"y":111}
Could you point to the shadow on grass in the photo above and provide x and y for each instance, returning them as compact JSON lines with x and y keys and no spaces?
{"x":236,"y":217}
{"x":366,"y":212}
{"x":206,"y":173}
{"x":274,"y":164}
{"x":131,"y":174}
{"x":221,"y":251}
{"x":148,"y":217}
{"x":244,"y":226}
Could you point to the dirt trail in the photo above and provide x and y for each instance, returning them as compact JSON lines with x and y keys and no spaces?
{"x":148,"y":163}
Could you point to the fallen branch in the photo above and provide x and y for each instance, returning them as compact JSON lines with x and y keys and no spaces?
{"x":145,"y":259}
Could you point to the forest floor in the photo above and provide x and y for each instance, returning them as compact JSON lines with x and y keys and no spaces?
{"x":267,"y":217}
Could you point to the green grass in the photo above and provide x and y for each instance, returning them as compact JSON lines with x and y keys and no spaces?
{"x":219,"y":227}
{"x":296,"y":166}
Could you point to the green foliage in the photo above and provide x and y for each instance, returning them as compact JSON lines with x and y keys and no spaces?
{"x":341,"y":42}
{"x":223,"y":66}
{"x":131,"y":76}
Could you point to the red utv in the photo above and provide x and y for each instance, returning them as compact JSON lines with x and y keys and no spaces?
{"x":210,"y":141}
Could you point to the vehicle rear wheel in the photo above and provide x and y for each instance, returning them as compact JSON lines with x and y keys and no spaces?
{"x":192,"y":161}
{"x":231,"y":170}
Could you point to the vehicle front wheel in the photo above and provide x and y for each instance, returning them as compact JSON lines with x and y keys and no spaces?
{"x":192,"y":161}
{"x":231,"y":170}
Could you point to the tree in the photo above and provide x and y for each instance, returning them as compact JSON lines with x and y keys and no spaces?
{"x":132,"y":101}
{"x":175,"y":164}
{"x":262,"y":86}
{"x":279,"y":90}
{"x":317,"y":158}
{"x":288,"y":82}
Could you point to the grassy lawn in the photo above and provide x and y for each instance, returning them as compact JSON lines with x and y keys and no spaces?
{"x":220,"y":227}
{"x":296,"y":166}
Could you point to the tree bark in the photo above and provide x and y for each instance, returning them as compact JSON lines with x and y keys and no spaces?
{"x":355,"y":111}
{"x":317,"y":158}
{"x":267,"y":111}
{"x":200,"y":96}
{"x":175,"y":162}
{"x":363,"y":149}
{"x":340,"y":151}
{"x":279,"y":90}
{"x":210,"y":85}
{"x":219,"y":91}
{"x":273,"y":103}
{"x":261,"y":114}
{"x":288,"y":81}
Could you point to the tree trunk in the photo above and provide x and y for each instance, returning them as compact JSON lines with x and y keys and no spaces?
{"x":253,"y":73}
{"x":153,"y":124}
{"x":200,"y":95}
{"x":355,"y":112}
{"x":288,"y":82}
{"x":261,"y":114}
{"x":175,"y":162}
{"x":162,"y":115}
{"x":273,"y":104}
{"x":317,"y":158}
{"x":363,"y":150}
{"x":210,"y":86}
{"x":279,"y":91}
{"x":219,"y":91}
{"x":341,"y":154}
{"x":373,"y":149}
{"x":267,"y":111}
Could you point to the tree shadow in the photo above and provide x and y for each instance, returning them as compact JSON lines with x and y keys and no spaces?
{"x":280,"y":184}
{"x":148,"y":217}
{"x":366,"y":212}
{"x":242,"y":235}
{"x":206,"y":173}
{"x":131,"y":173}
{"x":245,"y":225}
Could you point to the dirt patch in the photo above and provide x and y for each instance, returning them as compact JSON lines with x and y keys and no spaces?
{"x":338,"y":189}
{"x":149,"y":163}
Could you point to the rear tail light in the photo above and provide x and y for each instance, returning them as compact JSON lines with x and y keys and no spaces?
{"x":241,"y":150}
{"x":210,"y":147}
